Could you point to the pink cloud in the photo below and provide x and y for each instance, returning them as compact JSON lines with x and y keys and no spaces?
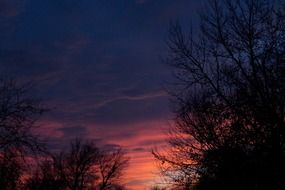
{"x":143,"y":137}
{"x":138,"y":139}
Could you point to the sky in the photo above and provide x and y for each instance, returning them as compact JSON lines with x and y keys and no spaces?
{"x":97,"y":65}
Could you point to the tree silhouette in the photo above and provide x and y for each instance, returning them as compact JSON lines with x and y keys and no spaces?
{"x":111,"y":166}
{"x":18,"y":114}
{"x":76,"y":167}
{"x":11,"y":170}
{"x":83,"y":166}
{"x":230,"y":98}
{"x":45,"y":177}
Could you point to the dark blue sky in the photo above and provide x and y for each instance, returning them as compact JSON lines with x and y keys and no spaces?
{"x":97,"y":64}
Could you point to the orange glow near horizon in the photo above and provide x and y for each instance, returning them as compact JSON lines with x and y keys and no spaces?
{"x":142,"y":171}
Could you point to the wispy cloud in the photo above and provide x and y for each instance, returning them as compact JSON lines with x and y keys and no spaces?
{"x":96,"y":64}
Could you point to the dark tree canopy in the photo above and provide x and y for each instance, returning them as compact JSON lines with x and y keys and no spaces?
{"x":45,"y":177}
{"x":11,"y":170}
{"x":229,"y":130}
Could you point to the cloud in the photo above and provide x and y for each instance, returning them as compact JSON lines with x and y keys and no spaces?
{"x":110,"y":147}
{"x":42,"y":62}
{"x":97,"y":67}
{"x":134,"y":96}
{"x":126,"y":105}
{"x":138,"y":139}
{"x":140,"y":149}
{"x":73,"y":132}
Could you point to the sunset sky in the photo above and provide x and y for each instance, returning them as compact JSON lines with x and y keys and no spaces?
{"x":98,"y":66}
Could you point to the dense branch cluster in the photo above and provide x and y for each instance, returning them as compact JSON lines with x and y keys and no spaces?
{"x":230,"y":98}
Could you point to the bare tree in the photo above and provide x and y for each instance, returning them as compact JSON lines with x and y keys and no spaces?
{"x":77,"y":166}
{"x":111,"y":166}
{"x":85,"y":166}
{"x":230,"y":99}
{"x":18,"y":114}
